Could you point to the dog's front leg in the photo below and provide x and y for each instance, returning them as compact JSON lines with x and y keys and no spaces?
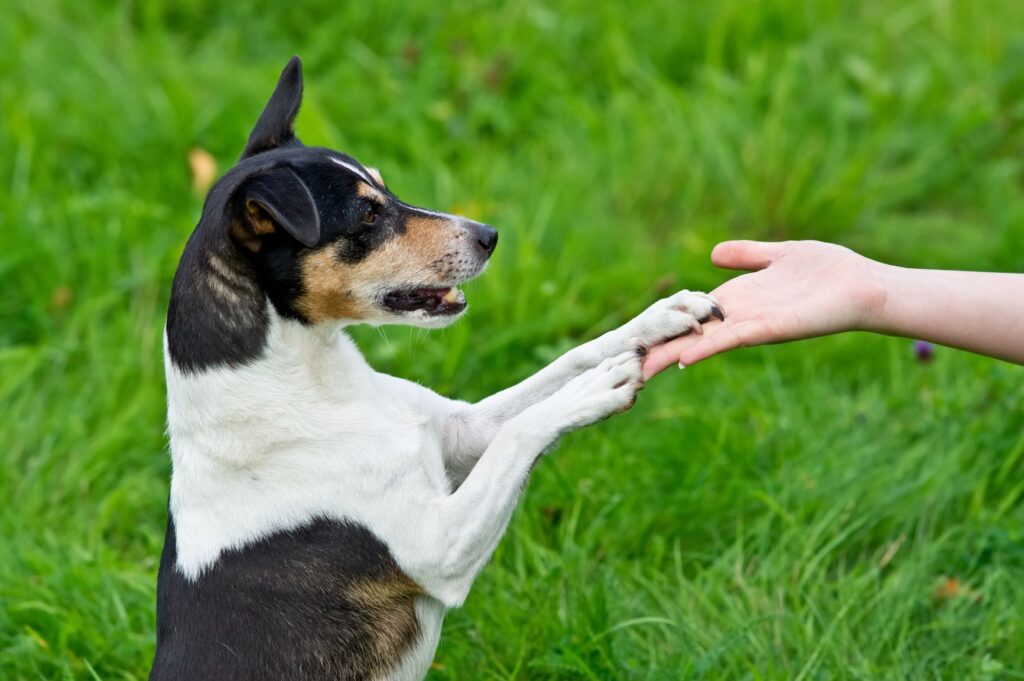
{"x":471,"y":427}
{"x":458,"y":533}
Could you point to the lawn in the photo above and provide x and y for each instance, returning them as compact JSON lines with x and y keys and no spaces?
{"x":826,"y":510}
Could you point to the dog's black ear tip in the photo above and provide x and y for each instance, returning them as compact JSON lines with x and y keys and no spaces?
{"x":291,"y":77}
{"x":293,"y":68}
{"x":275,"y":126}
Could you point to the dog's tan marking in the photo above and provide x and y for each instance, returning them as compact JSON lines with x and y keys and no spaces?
{"x":327,"y":288}
{"x":333,"y":290}
{"x":259,"y":220}
{"x":230,"y":276}
{"x":256,"y":224}
{"x":223,"y":291}
{"x":244,"y":236}
{"x":427,"y":233}
{"x":375,"y":174}
{"x":372,"y":193}
{"x":390,"y":603}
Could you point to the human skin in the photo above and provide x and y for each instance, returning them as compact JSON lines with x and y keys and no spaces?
{"x":803,"y":289}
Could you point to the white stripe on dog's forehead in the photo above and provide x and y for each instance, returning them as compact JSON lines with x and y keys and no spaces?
{"x":362,"y":175}
{"x":358,"y":171}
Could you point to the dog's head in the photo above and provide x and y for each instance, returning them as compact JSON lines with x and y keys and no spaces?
{"x":330,"y":242}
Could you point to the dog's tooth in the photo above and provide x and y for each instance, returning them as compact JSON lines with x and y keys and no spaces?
{"x":452,"y":296}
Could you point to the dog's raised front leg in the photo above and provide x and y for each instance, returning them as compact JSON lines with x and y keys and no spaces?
{"x":470,"y":427}
{"x":459,"y":532}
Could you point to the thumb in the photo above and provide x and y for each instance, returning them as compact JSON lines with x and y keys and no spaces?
{"x":746,"y":255}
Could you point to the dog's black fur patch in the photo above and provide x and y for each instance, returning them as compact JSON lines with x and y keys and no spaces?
{"x":325,"y":601}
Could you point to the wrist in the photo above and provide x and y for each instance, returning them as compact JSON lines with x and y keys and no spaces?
{"x":882,"y":284}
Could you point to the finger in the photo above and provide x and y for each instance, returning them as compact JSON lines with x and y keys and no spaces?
{"x":745,"y":255}
{"x":665,"y":355}
{"x":727,"y":336}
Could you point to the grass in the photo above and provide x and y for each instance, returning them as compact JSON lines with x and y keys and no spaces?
{"x":826,"y":510}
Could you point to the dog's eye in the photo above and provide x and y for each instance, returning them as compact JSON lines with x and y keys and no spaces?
{"x":370,"y":215}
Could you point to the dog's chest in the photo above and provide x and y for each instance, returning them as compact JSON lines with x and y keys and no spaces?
{"x":251,"y":467}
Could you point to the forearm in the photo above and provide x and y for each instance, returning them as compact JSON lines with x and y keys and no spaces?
{"x":981,"y":312}
{"x":511,"y":401}
{"x":470,"y":428}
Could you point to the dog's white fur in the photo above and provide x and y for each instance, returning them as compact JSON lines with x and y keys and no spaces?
{"x":310,"y":430}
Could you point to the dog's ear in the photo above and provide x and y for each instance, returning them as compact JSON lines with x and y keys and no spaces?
{"x":276,"y":125}
{"x":272,"y":201}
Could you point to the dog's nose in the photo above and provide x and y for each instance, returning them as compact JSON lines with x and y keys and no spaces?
{"x":487,"y":237}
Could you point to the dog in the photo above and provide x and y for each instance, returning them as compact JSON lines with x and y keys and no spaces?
{"x":323,"y":516}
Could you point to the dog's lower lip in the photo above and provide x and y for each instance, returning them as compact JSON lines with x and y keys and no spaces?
{"x":445,"y":300}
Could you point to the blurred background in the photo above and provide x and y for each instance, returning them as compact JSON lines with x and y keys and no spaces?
{"x":838,"y":508}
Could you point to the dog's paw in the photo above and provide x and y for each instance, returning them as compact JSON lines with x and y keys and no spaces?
{"x":596,"y":394}
{"x":677,"y":315}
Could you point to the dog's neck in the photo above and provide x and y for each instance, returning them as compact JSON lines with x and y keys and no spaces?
{"x":219,"y":313}
{"x":232,"y":358}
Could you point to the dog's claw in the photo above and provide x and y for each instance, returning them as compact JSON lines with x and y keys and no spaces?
{"x":679,"y":314}
{"x":638,"y":346}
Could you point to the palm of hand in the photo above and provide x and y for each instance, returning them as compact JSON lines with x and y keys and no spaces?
{"x":805,"y":289}
{"x":795,"y":297}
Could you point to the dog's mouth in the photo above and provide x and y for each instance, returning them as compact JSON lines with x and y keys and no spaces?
{"x":443,"y":301}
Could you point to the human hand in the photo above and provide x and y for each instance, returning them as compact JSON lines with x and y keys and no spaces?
{"x":801,"y":289}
